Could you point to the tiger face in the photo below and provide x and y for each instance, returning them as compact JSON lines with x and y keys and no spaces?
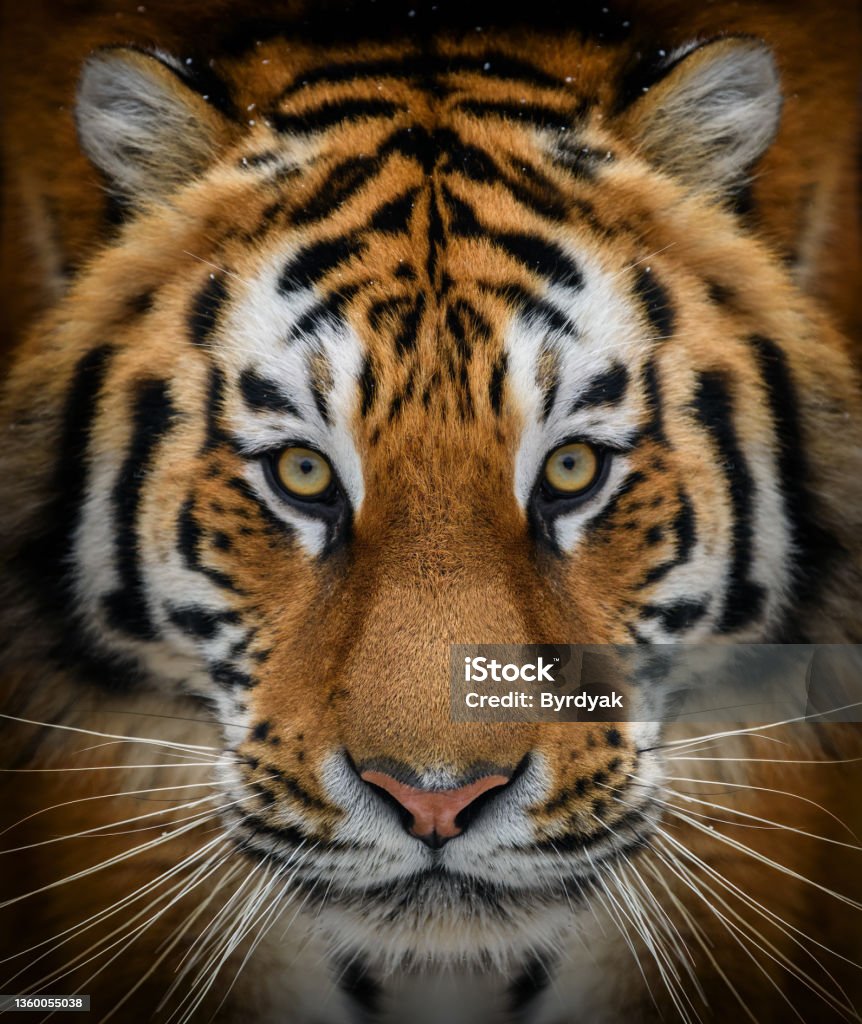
{"x":396,"y":359}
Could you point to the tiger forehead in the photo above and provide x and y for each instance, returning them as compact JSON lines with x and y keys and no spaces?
{"x":436,"y":197}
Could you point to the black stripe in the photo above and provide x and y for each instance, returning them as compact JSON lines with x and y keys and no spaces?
{"x":677,"y":616}
{"x":436,"y":237}
{"x":293,"y":787}
{"x":414,"y":143}
{"x":215,"y":435}
{"x":495,"y":385}
{"x":811,"y":543}
{"x":229,"y":677}
{"x":201,"y":623}
{"x":126,"y":607}
{"x":478,"y":325}
{"x":532,"y":113}
{"x":326,"y":115}
{"x":654,"y":427}
{"x":491,"y":64}
{"x":46,"y":561}
{"x":206,"y":306}
{"x":382,"y":309}
{"x":656,"y":302}
{"x":580,"y":160}
{"x":608,"y":388}
{"x":541,"y":257}
{"x":323,"y":315}
{"x":605,"y":517}
{"x":684,"y":526}
{"x":713,"y":404}
{"x":315,"y":261}
{"x":406,"y":337}
{"x":340,"y":185}
{"x":190,"y":536}
{"x":455,"y":323}
{"x":393,"y":218}
{"x":264,"y":395}
{"x":51,"y":551}
{"x":544,"y":198}
{"x":539,"y":311}
{"x":71,"y":474}
{"x":462,"y":219}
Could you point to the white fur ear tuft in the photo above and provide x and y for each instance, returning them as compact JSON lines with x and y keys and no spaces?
{"x":713,"y":115}
{"x":142,"y":125}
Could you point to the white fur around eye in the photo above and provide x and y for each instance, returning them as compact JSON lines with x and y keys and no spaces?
{"x":257,"y":334}
{"x":608,"y":331}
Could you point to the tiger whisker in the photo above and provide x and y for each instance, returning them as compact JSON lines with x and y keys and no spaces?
{"x":755,"y":905}
{"x":736,"y":932}
{"x":124,"y":941}
{"x":691,"y":924}
{"x":111,"y":767}
{"x":615,"y":914}
{"x":767,"y":789}
{"x":272,"y":914}
{"x":108,"y":743}
{"x":751,"y":729}
{"x":783,"y":926}
{"x":167,"y":947}
{"x":87,"y":955}
{"x":112,"y":736}
{"x":209,"y":938}
{"x":667,"y":969}
{"x":105,"y":796}
{"x":111,"y":861}
{"x":81,"y":926}
{"x":235,"y":932}
{"x":98,"y":830}
{"x":776,"y":920}
{"x":765,"y":821}
{"x":769,"y":949}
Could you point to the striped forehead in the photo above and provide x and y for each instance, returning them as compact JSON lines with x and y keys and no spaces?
{"x":292,"y":364}
{"x":298,"y":358}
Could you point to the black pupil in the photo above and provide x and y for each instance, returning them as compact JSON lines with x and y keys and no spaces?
{"x":569,"y":462}
{"x":306,"y":466}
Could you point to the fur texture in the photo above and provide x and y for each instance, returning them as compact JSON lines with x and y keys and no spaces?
{"x":433,"y":253}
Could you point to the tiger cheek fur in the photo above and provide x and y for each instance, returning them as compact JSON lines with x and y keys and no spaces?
{"x":423,"y":274}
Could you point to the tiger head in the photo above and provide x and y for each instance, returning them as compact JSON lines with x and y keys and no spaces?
{"x":404,"y":351}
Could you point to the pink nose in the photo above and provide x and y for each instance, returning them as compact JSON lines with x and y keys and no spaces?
{"x":434,"y":811}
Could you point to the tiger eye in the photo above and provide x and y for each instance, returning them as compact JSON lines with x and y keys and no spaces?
{"x":572,"y":468}
{"x":303,"y":472}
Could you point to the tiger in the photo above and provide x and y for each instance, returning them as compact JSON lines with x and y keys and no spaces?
{"x":347,"y":332}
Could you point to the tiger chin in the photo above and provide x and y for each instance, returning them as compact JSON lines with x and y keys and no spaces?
{"x":438,"y":336}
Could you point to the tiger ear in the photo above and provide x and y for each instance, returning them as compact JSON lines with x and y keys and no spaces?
{"x":142,"y":125}
{"x":713,"y":115}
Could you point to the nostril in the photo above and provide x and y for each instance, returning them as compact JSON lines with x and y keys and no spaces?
{"x":387,"y":798}
{"x":466,"y":817}
{"x":437,"y":815}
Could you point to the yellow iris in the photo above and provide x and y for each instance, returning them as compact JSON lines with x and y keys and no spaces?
{"x":572,"y":468}
{"x":304,"y":472}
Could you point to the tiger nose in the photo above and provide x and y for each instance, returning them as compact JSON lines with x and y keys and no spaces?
{"x":433,"y":813}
